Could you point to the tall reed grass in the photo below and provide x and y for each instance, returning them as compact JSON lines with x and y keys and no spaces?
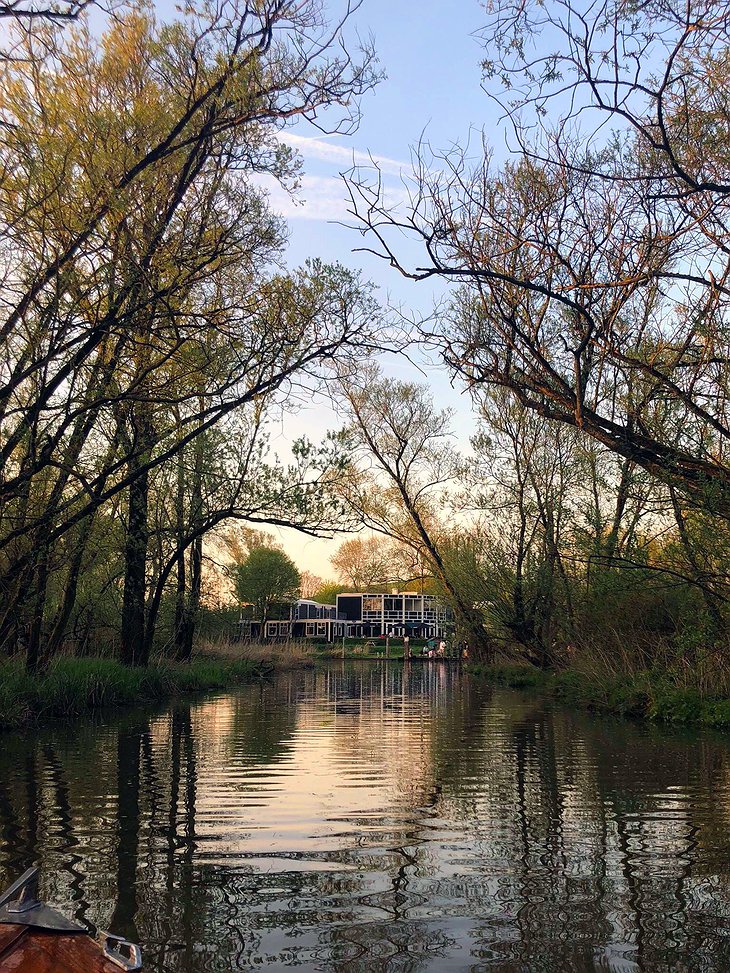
{"x":72,"y":687}
{"x":280,"y":655}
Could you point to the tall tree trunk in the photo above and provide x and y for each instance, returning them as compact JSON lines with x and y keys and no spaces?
{"x":469,"y":619}
{"x":611,"y":545}
{"x":37,"y":611}
{"x":9,"y":621}
{"x":712,"y":602}
{"x":180,"y":600}
{"x":181,"y":572}
{"x":135,"y":651}
{"x":187,"y":634}
{"x":188,"y":601}
{"x":68,"y":601}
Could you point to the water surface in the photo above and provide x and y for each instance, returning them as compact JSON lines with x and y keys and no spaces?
{"x":375,"y":817}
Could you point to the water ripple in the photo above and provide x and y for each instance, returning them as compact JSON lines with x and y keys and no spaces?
{"x":380,"y":818}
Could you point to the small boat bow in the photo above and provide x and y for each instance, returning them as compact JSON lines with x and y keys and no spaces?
{"x":34,"y":938}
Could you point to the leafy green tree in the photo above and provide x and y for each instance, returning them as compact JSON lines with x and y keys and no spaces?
{"x":328,"y":591}
{"x":403,"y":468}
{"x":267,"y":576}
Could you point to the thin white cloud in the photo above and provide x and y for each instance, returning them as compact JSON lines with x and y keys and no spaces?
{"x":341,"y":155}
{"x":319,"y":198}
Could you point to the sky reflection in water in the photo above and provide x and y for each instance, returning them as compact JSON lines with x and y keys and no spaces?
{"x":367,"y":818}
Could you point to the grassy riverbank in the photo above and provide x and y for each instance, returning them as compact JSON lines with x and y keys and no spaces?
{"x":72,"y":687}
{"x":641,"y":695}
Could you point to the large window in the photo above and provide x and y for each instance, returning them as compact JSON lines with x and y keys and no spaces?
{"x":372,"y":604}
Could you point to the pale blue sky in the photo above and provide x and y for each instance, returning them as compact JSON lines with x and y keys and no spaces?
{"x":432,"y":91}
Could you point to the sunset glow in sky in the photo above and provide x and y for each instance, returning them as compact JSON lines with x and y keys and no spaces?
{"x":432,"y":93}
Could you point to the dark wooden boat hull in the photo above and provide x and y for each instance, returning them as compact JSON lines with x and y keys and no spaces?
{"x":27,"y":950}
{"x":36,"y":939}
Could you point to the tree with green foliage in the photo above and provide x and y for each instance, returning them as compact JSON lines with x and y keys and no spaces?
{"x":141,"y":313}
{"x":328,"y":591}
{"x":404,"y":466}
{"x":265,"y":577}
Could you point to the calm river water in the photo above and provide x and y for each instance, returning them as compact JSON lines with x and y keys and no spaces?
{"x":375,"y":818}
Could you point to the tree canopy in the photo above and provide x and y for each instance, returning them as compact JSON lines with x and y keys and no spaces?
{"x":149,"y":332}
{"x":265,"y":577}
{"x":592,"y":265}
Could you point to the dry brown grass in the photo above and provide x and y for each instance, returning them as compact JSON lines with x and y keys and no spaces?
{"x":282,"y":655}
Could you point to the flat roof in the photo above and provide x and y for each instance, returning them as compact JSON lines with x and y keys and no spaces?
{"x":384,"y":594}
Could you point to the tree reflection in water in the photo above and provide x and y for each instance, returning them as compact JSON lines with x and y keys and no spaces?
{"x":379,"y":817}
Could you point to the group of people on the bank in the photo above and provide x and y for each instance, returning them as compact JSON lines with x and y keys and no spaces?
{"x":440,"y":650}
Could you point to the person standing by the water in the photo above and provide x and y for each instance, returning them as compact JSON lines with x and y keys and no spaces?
{"x":406,"y":647}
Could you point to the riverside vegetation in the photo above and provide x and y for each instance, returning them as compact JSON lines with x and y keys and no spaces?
{"x":70,"y":687}
{"x":649,"y":694}
{"x":149,"y":335}
{"x":586,"y":533}
{"x":74,"y":687}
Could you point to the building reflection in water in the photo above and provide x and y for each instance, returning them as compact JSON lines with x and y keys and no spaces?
{"x":379,"y":817}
